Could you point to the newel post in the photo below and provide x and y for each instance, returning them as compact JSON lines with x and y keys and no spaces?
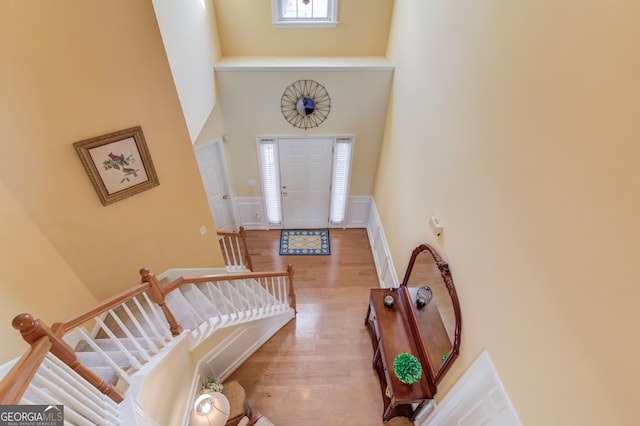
{"x":245,"y":248}
{"x":292,"y":294}
{"x":157,"y":296}
{"x":33,"y":330}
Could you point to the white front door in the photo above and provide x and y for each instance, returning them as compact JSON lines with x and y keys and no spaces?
{"x":305,"y":179}
{"x":210,"y":159}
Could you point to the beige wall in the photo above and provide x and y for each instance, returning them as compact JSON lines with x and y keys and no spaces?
{"x":247,"y":30}
{"x":73,"y":70}
{"x":165,"y":393}
{"x":524,"y":144}
{"x":250,"y":107}
{"x":28,"y":262}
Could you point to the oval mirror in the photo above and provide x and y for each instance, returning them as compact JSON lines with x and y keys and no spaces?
{"x":436,"y":307}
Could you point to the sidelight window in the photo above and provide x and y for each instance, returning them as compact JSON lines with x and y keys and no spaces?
{"x":340,"y":179}
{"x":270,"y":171}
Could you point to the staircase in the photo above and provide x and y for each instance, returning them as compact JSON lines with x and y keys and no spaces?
{"x":116,"y":345}
{"x":127,"y":338}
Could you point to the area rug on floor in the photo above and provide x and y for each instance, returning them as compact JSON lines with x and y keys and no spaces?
{"x":305,"y":242}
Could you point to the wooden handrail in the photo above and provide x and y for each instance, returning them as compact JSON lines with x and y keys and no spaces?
{"x":104,"y":306}
{"x":242,"y":276}
{"x":34,"y":330}
{"x":43,"y":339}
{"x":241,"y":232}
{"x":15,"y":383}
{"x":221,"y":277}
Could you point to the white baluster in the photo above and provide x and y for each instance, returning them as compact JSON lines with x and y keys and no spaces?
{"x":149,"y":322}
{"x":97,"y":349}
{"x":143,"y":352}
{"x":159,"y":319}
{"x":152,"y":346}
{"x":132,"y":359}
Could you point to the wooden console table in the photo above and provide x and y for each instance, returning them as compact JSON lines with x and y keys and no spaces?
{"x":393,"y":332}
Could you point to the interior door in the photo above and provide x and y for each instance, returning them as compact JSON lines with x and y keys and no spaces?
{"x":305,"y":179}
{"x":214,"y":177}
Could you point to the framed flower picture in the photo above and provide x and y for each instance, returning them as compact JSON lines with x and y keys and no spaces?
{"x":118,"y":164}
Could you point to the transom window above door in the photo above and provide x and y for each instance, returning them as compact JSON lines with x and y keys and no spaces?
{"x":304,"y":13}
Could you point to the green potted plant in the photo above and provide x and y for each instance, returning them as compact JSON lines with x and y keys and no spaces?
{"x":211,"y":384}
{"x":407,"y":368}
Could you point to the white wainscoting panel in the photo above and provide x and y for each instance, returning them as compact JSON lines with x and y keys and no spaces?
{"x":478,"y":398}
{"x":380,"y":250}
{"x":388,"y":278}
{"x":251,"y":211}
{"x":358,"y":209}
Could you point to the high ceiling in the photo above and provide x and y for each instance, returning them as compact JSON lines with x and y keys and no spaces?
{"x":245,"y":29}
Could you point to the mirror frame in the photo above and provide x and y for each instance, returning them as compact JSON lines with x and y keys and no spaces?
{"x":448,"y":279}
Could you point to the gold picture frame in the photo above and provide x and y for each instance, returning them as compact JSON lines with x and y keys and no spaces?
{"x":118,"y":164}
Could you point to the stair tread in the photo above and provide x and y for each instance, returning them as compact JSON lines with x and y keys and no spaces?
{"x":109,"y":344}
{"x":93,"y":359}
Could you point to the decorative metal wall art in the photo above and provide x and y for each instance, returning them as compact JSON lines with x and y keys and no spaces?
{"x":305,"y":104}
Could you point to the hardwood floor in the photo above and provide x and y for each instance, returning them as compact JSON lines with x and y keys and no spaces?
{"x":317,"y":370}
